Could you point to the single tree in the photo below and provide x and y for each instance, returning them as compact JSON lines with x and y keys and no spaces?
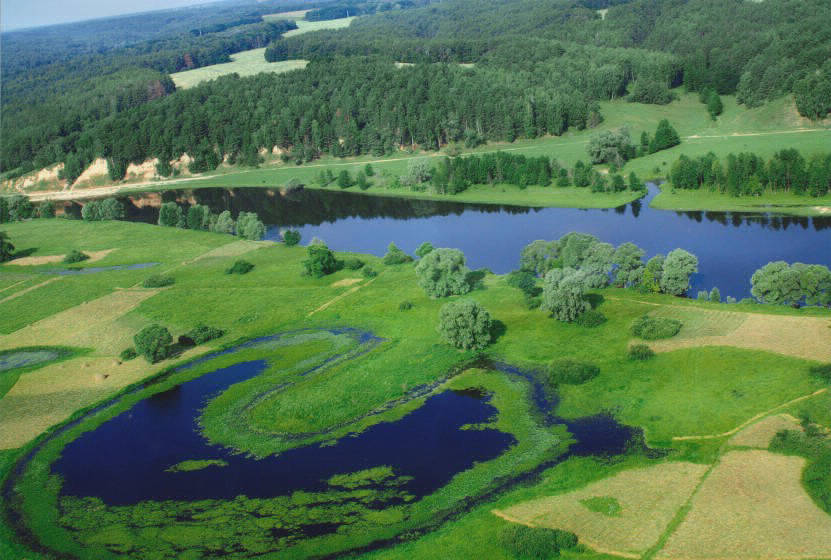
{"x":153,"y":342}
{"x":777,"y":283}
{"x":6,"y":247}
{"x":563,"y":294}
{"x":361,"y":181}
{"x":368,"y":170}
{"x":170,"y":214}
{"x":396,"y":256}
{"x":224,"y":223}
{"x":465,"y":324}
{"x":678,"y":267}
{"x":442,"y":272}
{"x":424,"y":249}
{"x":715,"y":295}
{"x":320,"y":262}
{"x":344,"y":179}
{"x":291,"y":237}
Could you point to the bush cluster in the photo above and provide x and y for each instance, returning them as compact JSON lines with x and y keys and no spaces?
{"x":532,"y":543}
{"x":570,"y":372}
{"x":240,"y":267}
{"x":128,"y":354}
{"x":822,"y":371}
{"x":369,"y":272}
{"x":158,"y":281}
{"x":75,"y":256}
{"x":591,"y":318}
{"x":353,"y":264}
{"x":654,"y":328}
{"x":153,"y":342}
{"x":465,"y":324}
{"x":396,"y":256}
{"x":291,"y":237}
{"x":405,"y":306}
{"x":640,"y":352}
{"x":201,"y":334}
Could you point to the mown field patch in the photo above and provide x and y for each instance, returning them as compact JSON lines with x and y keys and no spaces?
{"x":245,"y":63}
{"x":752,"y":505}
{"x":759,"y":434}
{"x":647,"y":497}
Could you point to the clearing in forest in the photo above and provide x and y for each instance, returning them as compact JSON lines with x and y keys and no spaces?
{"x":245,"y":63}
{"x":752,"y":506}
{"x":801,"y":337}
{"x":647,"y":500}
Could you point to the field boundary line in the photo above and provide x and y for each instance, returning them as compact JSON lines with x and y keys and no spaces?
{"x":12,"y":286}
{"x":337,"y":298}
{"x":29,"y":289}
{"x":755,"y":418}
{"x":593,"y":546}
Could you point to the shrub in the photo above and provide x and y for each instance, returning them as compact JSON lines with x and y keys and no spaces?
{"x":823,"y":372}
{"x":153,"y":342}
{"x":203,"y":333}
{"x":396,"y":256}
{"x":703,"y":295}
{"x":240,"y":267}
{"x":405,"y":306}
{"x":640,"y":352}
{"x":424,"y":249}
{"x":158,"y":281}
{"x":465,"y":324}
{"x":249,"y":226}
{"x":654,"y":328}
{"x":532,"y":543}
{"x":563,"y":294}
{"x":75,"y":256}
{"x":47,"y":209}
{"x":525,"y":281}
{"x":291,"y":237}
{"x":321,"y":261}
{"x":715,"y":295}
{"x":128,"y":354}
{"x":353,"y":264}
{"x":369,"y":272}
{"x":442,"y":272}
{"x":6,"y":247}
{"x":571,"y":372}
{"x":591,"y":319}
{"x":170,"y":215}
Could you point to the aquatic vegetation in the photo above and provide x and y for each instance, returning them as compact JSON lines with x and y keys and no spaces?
{"x":196,"y":465}
{"x":17,"y":361}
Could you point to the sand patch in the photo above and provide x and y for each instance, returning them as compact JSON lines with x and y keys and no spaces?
{"x":761,"y":433}
{"x":823,"y":209}
{"x":142,"y":172}
{"x":95,"y":173}
{"x":752,"y":506}
{"x":648,"y":497}
{"x":346,"y":282}
{"x":50,"y":259}
{"x":801,"y":337}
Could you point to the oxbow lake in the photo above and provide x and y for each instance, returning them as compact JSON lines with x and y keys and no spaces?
{"x":730,"y":245}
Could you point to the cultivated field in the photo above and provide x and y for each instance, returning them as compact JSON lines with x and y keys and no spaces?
{"x":752,"y":506}
{"x":246,"y":63}
{"x":648,"y":498}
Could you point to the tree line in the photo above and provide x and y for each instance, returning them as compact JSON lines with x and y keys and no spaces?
{"x":747,"y":174}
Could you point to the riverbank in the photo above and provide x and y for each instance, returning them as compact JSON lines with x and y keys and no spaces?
{"x":770,"y":202}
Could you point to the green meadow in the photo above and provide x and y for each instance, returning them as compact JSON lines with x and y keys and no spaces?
{"x":682,"y":392}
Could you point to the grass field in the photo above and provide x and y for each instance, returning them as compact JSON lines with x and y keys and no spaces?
{"x":695,"y":390}
{"x":245,"y":63}
{"x":304,"y":26}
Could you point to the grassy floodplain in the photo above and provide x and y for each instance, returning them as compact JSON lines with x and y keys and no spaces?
{"x":697,"y":392}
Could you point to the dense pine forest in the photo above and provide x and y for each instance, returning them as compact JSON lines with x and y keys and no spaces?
{"x":415,"y":74}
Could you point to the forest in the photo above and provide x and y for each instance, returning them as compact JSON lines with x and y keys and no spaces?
{"x":476,"y":72}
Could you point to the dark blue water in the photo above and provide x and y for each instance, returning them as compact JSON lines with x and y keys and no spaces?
{"x":123,"y":461}
{"x":730,"y":246}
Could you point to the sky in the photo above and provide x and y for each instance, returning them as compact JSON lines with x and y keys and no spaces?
{"x":17,"y":14}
